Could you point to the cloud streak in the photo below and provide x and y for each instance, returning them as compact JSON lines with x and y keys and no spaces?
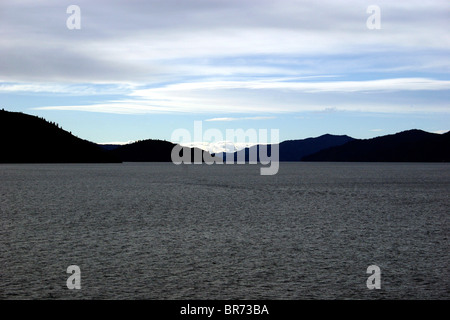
{"x":238,"y":119}
{"x":277,"y":96}
{"x":226,"y":58}
{"x":142,"y":41}
{"x":399,"y":84}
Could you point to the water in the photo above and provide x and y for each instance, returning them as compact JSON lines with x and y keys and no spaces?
{"x":160,"y":231}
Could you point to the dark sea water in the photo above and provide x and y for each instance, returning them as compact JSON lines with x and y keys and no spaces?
{"x":161,"y":231}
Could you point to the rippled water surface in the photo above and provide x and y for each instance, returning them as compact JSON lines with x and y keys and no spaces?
{"x":161,"y":231}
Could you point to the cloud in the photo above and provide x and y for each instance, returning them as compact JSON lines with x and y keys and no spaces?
{"x":398,"y":84}
{"x":146,"y":41}
{"x":68,"y":89}
{"x":238,"y":119}
{"x":274,"y":96}
{"x":223,"y":119}
{"x":229,"y":57}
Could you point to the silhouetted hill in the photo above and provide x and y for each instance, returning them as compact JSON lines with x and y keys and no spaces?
{"x":294,"y":150}
{"x":29,"y":139}
{"x":144,"y":151}
{"x":406,"y":146}
{"x":150,"y":151}
{"x":109,"y":146}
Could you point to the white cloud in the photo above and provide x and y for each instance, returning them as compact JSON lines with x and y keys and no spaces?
{"x":405,"y":84}
{"x":238,"y":119}
{"x":398,"y":84}
{"x":229,"y":57}
{"x":223,"y":119}
{"x":143,"y":41}
{"x":276,"y":96}
{"x":68,"y":89}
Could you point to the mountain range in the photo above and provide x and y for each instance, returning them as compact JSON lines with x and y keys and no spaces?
{"x":406,"y":146}
{"x":291,"y":150}
{"x":29,"y":139}
{"x":150,"y":151}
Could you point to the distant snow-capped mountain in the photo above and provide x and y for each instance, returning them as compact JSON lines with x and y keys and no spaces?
{"x":219,"y":146}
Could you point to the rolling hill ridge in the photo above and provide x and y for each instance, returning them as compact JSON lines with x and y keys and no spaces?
{"x":406,"y":146}
{"x":30,"y":139}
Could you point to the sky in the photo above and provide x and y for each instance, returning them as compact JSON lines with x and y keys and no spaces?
{"x":121,"y":71}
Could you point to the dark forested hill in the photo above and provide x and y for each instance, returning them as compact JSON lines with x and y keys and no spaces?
{"x":144,"y":151}
{"x":295,"y":150}
{"x":152,"y":151}
{"x":29,"y":139}
{"x":406,"y":146}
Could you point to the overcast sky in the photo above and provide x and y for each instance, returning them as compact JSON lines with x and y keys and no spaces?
{"x":141,"y":69}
